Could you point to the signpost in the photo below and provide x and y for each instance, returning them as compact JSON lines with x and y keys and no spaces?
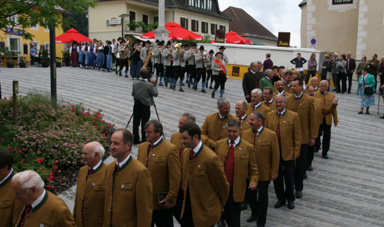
{"x":283,"y":39}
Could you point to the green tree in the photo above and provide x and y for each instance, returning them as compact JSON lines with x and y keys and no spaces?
{"x":47,"y":13}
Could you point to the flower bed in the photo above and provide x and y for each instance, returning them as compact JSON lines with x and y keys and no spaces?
{"x":49,"y":140}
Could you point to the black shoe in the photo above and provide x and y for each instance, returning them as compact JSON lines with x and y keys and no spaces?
{"x":291,"y":204}
{"x":349,"y":92}
{"x":360,"y":112}
{"x":342,"y":92}
{"x":305,"y":176}
{"x":181,"y":90}
{"x":316,"y":149}
{"x":251,"y":218}
{"x":174,"y":87}
{"x":203,"y":91}
{"x":325,"y":156}
{"x":382,"y":117}
{"x":210,"y":87}
{"x":221,"y":223}
{"x":309,"y":168}
{"x":189,"y":85}
{"x":367,"y":112}
{"x":206,"y":86}
{"x":244,"y":206}
{"x":166,"y":84}
{"x":213,"y":94}
{"x":160,"y":84}
{"x":260,"y":225}
{"x":279,"y":204}
{"x":299,"y":194}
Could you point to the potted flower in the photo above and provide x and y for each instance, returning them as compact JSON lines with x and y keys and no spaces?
{"x":58,"y":63}
{"x":67,"y":58}
{"x":8,"y":57}
{"x":22,"y":63}
{"x":44,"y":58}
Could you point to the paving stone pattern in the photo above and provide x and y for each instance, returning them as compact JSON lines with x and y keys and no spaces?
{"x":346,"y":190}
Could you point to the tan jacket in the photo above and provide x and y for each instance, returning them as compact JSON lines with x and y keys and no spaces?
{"x":290,"y":132}
{"x":52,"y":211}
{"x":245,"y":124}
{"x":205,"y":179}
{"x":267,"y":152}
{"x":215,"y":128}
{"x":244,"y":167}
{"x":163,"y":163}
{"x":91,"y":190}
{"x":286,"y":89}
{"x":261,"y":109}
{"x":271,"y":106}
{"x":128,"y":195}
{"x":10,"y":207}
{"x":329,"y":109}
{"x":307,"y":114}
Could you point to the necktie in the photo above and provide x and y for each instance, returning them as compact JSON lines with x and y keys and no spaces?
{"x":266,"y":102}
{"x":27,"y":210}
{"x":240,"y":119}
{"x":117,"y":168}
{"x":90,"y":171}
{"x":191,"y":154}
{"x":229,"y":163}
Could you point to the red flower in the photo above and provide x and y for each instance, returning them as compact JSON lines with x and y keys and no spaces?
{"x":63,"y":105}
{"x":72,"y":105}
{"x":9,"y":148}
{"x":53,"y":187}
{"x":5,"y":98}
{"x":55,"y":167}
{"x":15,"y":149}
{"x":51,"y":173}
{"x":20,"y":151}
{"x":2,"y":139}
{"x":56,"y":162}
{"x":39,"y":160}
{"x":48,"y":186}
{"x":101,"y":110}
{"x":71,"y":109}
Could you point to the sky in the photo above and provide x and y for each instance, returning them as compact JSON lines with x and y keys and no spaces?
{"x":275,"y":15}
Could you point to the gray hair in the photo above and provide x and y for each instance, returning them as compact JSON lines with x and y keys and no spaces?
{"x":253,"y":63}
{"x":259,"y":116}
{"x":268,"y":72}
{"x":325,"y":81}
{"x":245,"y":104}
{"x":234,"y":123}
{"x":191,"y":118}
{"x":29,"y":179}
{"x":257,"y":91}
{"x":259,"y":62}
{"x":285,"y":97}
{"x":157,"y":126}
{"x":99,"y":149}
{"x":223,"y":100}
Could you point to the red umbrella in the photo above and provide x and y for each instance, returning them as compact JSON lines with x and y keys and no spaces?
{"x":176,"y":32}
{"x":233,"y":37}
{"x":70,"y":36}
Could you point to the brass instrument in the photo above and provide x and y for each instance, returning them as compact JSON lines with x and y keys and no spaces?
{"x":150,"y":53}
{"x":178,"y":48}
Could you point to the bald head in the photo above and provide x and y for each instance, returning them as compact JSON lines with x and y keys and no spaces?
{"x":92,"y":153}
{"x":241,"y":108}
{"x":314,"y":81}
{"x":27,"y":186}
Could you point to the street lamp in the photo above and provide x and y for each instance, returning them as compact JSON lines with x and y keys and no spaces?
{"x":122,"y":23}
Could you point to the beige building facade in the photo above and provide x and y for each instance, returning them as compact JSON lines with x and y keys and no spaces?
{"x":343,"y":25}
{"x":202,"y":19}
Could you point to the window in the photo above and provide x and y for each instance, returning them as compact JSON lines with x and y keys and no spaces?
{"x":14,"y":45}
{"x":204,"y":27}
{"x":155,"y":19}
{"x":222,"y":27}
{"x":184,"y":22}
{"x":213,"y":29}
{"x":336,"y":2}
{"x":145,"y":19}
{"x":195,"y":26}
{"x":35,"y":44}
{"x":132,"y":17}
{"x":13,"y":19}
{"x":36,"y":27}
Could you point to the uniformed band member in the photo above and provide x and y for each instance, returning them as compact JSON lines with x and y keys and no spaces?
{"x":239,"y":161}
{"x":286,"y":124}
{"x":124,"y":60}
{"x":10,"y":208}
{"x":241,"y":114}
{"x":219,"y":71}
{"x":40,"y":205}
{"x":209,"y":69}
{"x":176,"y":68}
{"x":256,"y":104}
{"x":162,"y":160}
{"x":159,"y":62}
{"x":143,"y":92}
{"x":214,"y":126}
{"x":190,"y":57}
{"x":89,"y":201}
{"x":266,"y":147}
{"x":204,"y":183}
{"x":304,"y":106}
{"x":183,"y":65}
{"x":143,"y":56}
{"x":268,"y":98}
{"x":329,"y":100}
{"x":128,"y":186}
{"x":201,"y":62}
{"x":167,"y":53}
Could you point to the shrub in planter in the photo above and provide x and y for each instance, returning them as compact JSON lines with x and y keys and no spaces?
{"x":58,"y":63}
{"x":22,"y":63}
{"x":67,"y":58}
{"x":44,"y":58}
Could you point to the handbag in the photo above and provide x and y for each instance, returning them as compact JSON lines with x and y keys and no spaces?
{"x":367,"y":90}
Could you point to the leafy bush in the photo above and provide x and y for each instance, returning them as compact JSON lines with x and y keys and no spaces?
{"x":48,"y":139}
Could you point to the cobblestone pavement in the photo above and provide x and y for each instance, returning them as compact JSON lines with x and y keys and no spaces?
{"x":345,"y":190}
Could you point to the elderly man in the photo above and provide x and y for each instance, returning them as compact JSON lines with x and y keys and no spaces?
{"x":266,"y":81}
{"x":8,"y":203}
{"x":241,"y":113}
{"x":256,"y":104}
{"x":363,"y":64}
{"x":162,"y":160}
{"x":268,"y":98}
{"x":89,"y":201}
{"x":251,"y":80}
{"x":143,"y":92}
{"x":267,"y":157}
{"x":314,"y":83}
{"x":214,"y":126}
{"x":128,"y":186}
{"x":238,"y":157}
{"x":286,"y":124}
{"x":203,"y":181}
{"x":42,"y":208}
{"x":373,"y":66}
{"x":176,"y":137}
{"x":329,"y":110}
{"x":303,"y":105}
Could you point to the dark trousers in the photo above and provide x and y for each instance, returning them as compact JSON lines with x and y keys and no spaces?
{"x":325,"y":131}
{"x":209,"y":76}
{"x":336,"y":81}
{"x":220,"y":81}
{"x":381,"y":79}
{"x":123,"y":63}
{"x":287,"y":176}
{"x":159,"y":71}
{"x":258,"y":201}
{"x":311,"y":154}
{"x":179,"y":205}
{"x":349,"y":76}
{"x":301,"y":166}
{"x":168,"y":73}
{"x":187,"y":220}
{"x":343,"y":78}
{"x":309,"y":74}
{"x":192,"y":72}
{"x":232,"y":211}
{"x":375,"y":76}
{"x":141,"y":113}
{"x":162,"y":218}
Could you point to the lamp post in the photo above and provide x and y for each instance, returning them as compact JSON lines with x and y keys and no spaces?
{"x":122,"y":24}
